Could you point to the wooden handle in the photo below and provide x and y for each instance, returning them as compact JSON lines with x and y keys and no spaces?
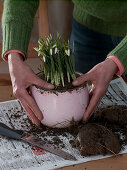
{"x":43,"y":19}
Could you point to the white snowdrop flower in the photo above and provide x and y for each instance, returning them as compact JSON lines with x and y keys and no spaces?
{"x":48,"y":40}
{"x":50,"y":36}
{"x":54,"y":45}
{"x":44,"y":59}
{"x":56,"y":50}
{"x":66,"y":52}
{"x":50,"y":51}
{"x":39,"y":53}
{"x":46,"y":43}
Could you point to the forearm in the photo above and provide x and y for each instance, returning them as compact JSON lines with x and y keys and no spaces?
{"x":17,"y":23}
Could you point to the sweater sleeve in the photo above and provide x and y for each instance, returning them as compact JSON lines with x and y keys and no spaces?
{"x":17,"y":23}
{"x":120,"y":51}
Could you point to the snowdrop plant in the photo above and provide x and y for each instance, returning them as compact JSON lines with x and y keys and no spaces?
{"x":57,"y":60}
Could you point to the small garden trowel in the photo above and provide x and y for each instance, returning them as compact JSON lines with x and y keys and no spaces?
{"x":34,"y":141}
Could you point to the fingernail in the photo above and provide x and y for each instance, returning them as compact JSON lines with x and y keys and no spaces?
{"x":75,"y":82}
{"x":83,"y":121}
{"x":50,"y":86}
{"x":38,"y":124}
{"x":41,"y":117}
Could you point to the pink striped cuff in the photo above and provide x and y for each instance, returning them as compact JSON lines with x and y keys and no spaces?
{"x":119,"y":64}
{"x":13,"y":51}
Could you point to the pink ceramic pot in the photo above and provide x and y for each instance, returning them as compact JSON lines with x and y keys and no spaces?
{"x":59,"y":108}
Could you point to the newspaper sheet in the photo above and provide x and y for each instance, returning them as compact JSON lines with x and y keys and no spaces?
{"x":16,"y":155}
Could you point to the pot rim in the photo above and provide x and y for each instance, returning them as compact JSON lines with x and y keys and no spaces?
{"x":58,"y":90}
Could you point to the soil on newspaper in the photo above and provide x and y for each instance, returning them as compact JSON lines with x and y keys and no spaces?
{"x":100,"y":135}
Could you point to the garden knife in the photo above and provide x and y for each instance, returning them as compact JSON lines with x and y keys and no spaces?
{"x":33,"y":140}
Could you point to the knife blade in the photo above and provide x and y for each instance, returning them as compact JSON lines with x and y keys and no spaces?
{"x":34,"y":141}
{"x":31,"y":139}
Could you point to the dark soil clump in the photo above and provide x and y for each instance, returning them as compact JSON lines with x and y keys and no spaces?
{"x":113,"y":114}
{"x":95,"y":139}
{"x":98,"y":136}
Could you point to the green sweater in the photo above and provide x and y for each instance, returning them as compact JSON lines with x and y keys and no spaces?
{"x":105,"y":16}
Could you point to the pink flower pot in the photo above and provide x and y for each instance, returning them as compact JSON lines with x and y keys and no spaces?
{"x":59,"y":107}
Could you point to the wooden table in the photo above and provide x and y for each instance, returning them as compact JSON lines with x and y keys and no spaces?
{"x":5,"y":88}
{"x":113,"y":163}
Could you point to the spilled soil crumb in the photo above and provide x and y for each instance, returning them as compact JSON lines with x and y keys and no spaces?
{"x":101,"y":134}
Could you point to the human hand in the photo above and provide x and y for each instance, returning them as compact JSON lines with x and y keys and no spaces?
{"x":100,"y":77}
{"x":22,"y":78}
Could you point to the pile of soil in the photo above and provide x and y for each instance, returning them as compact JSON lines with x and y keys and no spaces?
{"x":101,"y":134}
{"x":95,"y":139}
{"x":112,"y":114}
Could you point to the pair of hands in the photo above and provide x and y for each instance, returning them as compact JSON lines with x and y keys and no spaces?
{"x":23,"y":77}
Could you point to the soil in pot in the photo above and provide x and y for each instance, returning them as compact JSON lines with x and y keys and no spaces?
{"x":67,"y":85}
